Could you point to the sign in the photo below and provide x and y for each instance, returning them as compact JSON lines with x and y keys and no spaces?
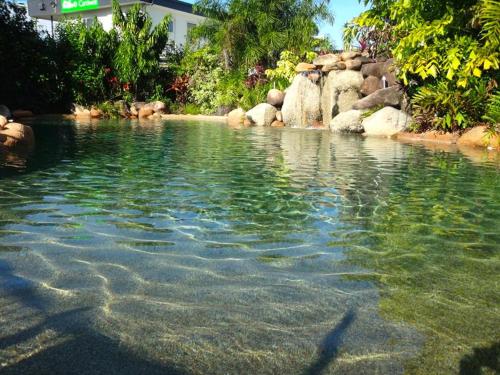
{"x":68,"y":6}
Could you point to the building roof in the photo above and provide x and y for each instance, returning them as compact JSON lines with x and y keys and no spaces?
{"x":47,"y":8}
{"x":173,"y":4}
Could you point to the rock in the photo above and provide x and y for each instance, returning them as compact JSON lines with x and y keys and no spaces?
{"x":95,"y":113}
{"x":337,"y":66}
{"x":304,"y":67}
{"x":328,"y":59}
{"x":478,"y":137}
{"x":135,"y":107}
{"x":390,"y":96}
{"x":279,"y":116}
{"x":347,"y":99}
{"x":262,"y":114}
{"x":21,"y":113}
{"x":80,"y":111}
{"x":155,"y":116}
{"x":347,"y":122}
{"x":278,"y":124}
{"x":247,"y":123}
{"x":314,"y":76}
{"x":340,"y":92}
{"x":370,"y":85}
{"x":14,"y":134}
{"x":3,"y":121}
{"x":381,"y":69}
{"x":275,"y":97}
{"x":302,"y":103}
{"x":145,"y":112}
{"x":364,"y":60}
{"x":386,"y":122}
{"x":236,"y":117}
{"x":4,"y":111}
{"x":158,"y":106}
{"x":349,"y":55}
{"x":353,"y":64}
{"x":316,"y":124}
{"x":122,"y":107}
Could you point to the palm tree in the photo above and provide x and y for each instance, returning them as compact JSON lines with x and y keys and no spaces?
{"x":247,"y":32}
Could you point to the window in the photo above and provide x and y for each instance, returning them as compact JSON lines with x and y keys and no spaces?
{"x":190,"y":26}
{"x":171,"y":27}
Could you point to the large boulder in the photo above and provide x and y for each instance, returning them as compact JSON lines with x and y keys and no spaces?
{"x":347,"y":99}
{"x":479,"y":137}
{"x":347,"y":122}
{"x":122,"y":107}
{"x":80,"y":111}
{"x":236,"y":117}
{"x":145,"y":112}
{"x":158,"y":106}
{"x":262,"y":114}
{"x":340,"y":92}
{"x":370,"y":85}
{"x":390,"y":96}
{"x":275,"y":97}
{"x":385,"y":69}
{"x":13,"y":134}
{"x":328,"y":59}
{"x":3,"y":121}
{"x":364,"y":60}
{"x":95,"y":112}
{"x":302,"y":103}
{"x":135,"y":107}
{"x":4,"y":111}
{"x":386,"y":122}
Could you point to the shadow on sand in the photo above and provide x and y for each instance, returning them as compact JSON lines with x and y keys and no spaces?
{"x":78,"y":348}
{"x":329,"y":347}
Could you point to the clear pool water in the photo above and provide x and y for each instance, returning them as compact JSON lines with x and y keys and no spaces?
{"x":187,"y":248}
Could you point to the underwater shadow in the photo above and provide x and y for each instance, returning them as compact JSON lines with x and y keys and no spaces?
{"x":329,"y":347}
{"x":76,"y":347}
{"x":481,"y":358}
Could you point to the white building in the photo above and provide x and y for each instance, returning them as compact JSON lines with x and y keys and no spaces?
{"x":183,"y":17}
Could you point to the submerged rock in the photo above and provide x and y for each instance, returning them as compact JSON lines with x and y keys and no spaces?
{"x":302,"y":103}
{"x":347,"y":122}
{"x":262,"y":114}
{"x":387,"y":122}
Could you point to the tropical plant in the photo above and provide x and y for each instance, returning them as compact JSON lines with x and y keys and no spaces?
{"x":250,"y":32}
{"x":284,"y":73}
{"x":448,"y":52}
{"x":85,"y":58}
{"x":28,"y":74}
{"x":137,"y":58}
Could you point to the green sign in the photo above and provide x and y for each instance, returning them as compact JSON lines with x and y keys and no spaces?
{"x":68,"y":6}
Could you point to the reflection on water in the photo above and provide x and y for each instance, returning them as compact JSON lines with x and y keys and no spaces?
{"x":198,"y":249}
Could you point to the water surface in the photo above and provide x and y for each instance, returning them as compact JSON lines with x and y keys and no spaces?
{"x":186,"y":248}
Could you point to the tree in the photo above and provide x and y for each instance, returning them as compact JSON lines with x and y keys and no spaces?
{"x":248,"y":32}
{"x":447,"y":52}
{"x":137,"y":58}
